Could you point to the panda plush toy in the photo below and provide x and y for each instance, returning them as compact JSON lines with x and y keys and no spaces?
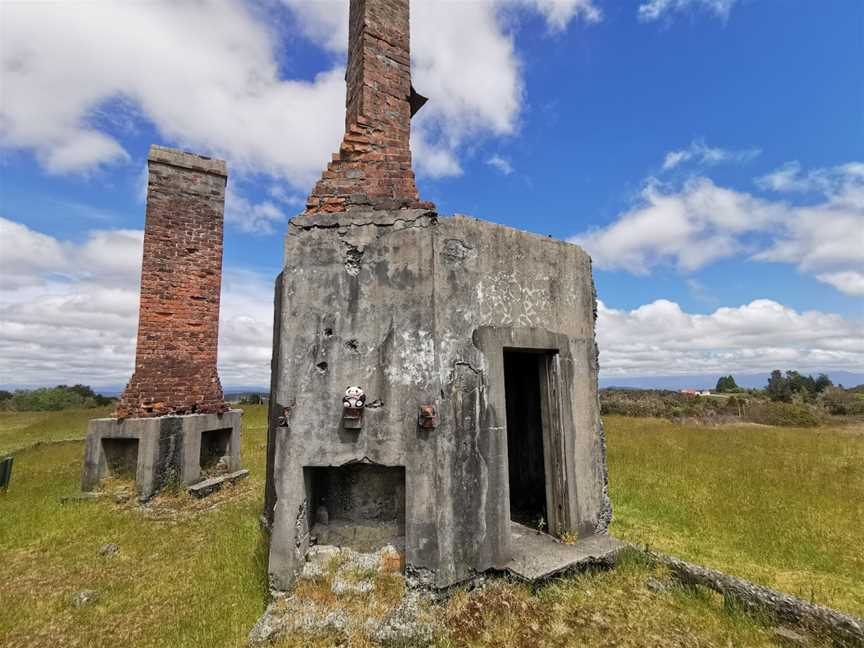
{"x":354,"y":397}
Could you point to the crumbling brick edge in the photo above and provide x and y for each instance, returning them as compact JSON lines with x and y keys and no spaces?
{"x":843,"y":629}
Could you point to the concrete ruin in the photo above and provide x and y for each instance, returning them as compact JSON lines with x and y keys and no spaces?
{"x":172,"y":423}
{"x":467,"y":349}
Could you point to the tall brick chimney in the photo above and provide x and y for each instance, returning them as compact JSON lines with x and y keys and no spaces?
{"x":181,"y":277}
{"x":373,"y":167}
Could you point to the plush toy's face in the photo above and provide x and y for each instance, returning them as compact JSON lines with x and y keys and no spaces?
{"x":353,"y":392}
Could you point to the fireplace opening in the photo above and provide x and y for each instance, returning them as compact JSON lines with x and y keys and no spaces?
{"x":121,"y":457}
{"x":215,"y":450}
{"x":358,"y":505}
{"x":523,"y":371}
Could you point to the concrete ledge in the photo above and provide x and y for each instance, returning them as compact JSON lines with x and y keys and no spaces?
{"x":539,"y":555}
{"x":186,"y":160}
{"x":208,"y":486}
{"x":358,"y":218}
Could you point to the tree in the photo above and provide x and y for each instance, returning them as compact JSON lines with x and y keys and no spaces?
{"x":796,"y":386}
{"x":778,"y":387}
{"x":823,"y":382}
{"x":727,"y":385}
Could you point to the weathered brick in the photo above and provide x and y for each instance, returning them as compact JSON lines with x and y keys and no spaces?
{"x":377,"y":116}
{"x":181,"y":276}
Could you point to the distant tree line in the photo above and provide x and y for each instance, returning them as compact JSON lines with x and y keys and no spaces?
{"x":792,"y":399}
{"x":46,"y":399}
{"x":796,"y":387}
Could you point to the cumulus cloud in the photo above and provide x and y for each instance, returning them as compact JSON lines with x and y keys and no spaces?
{"x":699,"y":222}
{"x":845,"y":181}
{"x":653,"y":10}
{"x":69,"y":311}
{"x":701,"y":153}
{"x":558,"y":13}
{"x":849,"y":282}
{"x":203,"y":73}
{"x":207,"y":76}
{"x":501,"y":164}
{"x":75,"y":320}
{"x":688,"y":227}
{"x":661,"y":339}
{"x":256,"y":218}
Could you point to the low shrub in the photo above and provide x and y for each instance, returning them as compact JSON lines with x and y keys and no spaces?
{"x":50,"y":399}
{"x":783,"y":414}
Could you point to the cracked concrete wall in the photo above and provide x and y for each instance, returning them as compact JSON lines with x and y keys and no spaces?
{"x":416,"y":309}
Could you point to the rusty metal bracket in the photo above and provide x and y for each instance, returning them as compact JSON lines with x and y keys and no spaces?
{"x":428,"y":417}
{"x":282,"y":420}
{"x":352,"y":418}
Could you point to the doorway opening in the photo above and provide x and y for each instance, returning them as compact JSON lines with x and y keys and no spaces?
{"x":524,"y":373}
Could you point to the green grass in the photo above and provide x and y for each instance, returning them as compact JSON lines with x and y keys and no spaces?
{"x":779,"y":506}
{"x":783,"y":507}
{"x":188,"y":576}
{"x":613,"y":608}
{"x":22,"y":429}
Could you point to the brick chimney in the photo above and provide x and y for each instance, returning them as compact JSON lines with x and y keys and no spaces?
{"x":373,"y":167}
{"x":181,"y":277}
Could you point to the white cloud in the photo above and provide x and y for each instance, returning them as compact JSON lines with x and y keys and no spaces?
{"x":661,"y":339}
{"x":69,"y":311}
{"x":701,"y":153}
{"x":257,"y":218}
{"x":558,"y":13}
{"x":699,"y":222}
{"x":689,"y":228}
{"x":207,"y":76}
{"x":501,"y":164}
{"x":75,"y":321}
{"x":653,"y":10}
{"x":845,"y":181}
{"x":849,"y":282}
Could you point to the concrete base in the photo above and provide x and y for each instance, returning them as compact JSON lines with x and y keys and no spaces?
{"x":359,"y":536}
{"x":155,"y":451}
{"x":539,"y":555}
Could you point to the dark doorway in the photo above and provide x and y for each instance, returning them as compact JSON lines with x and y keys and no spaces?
{"x":523,"y":371}
{"x":121,"y":457}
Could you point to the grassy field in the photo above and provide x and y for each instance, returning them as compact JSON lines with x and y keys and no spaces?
{"x":782,"y":507}
{"x":22,"y":429}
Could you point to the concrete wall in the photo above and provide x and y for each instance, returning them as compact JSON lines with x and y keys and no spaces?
{"x":169,"y":448}
{"x":416,"y":310}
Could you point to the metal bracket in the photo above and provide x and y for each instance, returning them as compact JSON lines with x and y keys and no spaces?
{"x":427,"y":418}
{"x":352,"y":418}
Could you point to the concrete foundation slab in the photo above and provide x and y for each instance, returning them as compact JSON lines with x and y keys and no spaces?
{"x":155,"y":451}
{"x":539,"y":555}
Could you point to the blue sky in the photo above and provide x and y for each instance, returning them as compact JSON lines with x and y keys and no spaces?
{"x":709,"y":154}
